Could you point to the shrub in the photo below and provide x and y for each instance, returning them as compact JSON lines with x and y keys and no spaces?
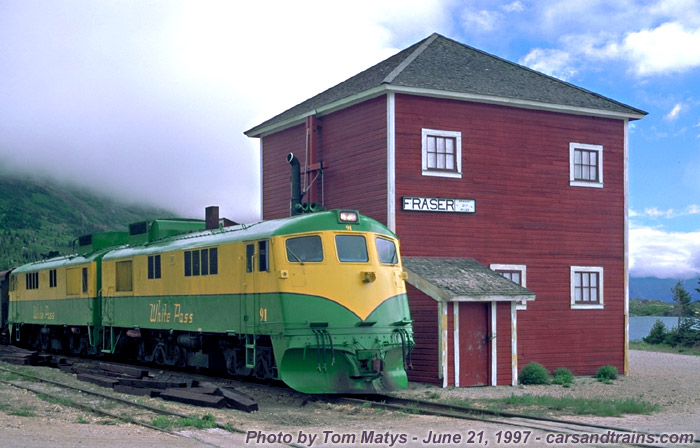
{"x":534,"y":373}
{"x":606,"y":374}
{"x":657,"y":335}
{"x":563,"y":376}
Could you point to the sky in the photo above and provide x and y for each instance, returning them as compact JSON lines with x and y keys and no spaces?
{"x":148,"y":100}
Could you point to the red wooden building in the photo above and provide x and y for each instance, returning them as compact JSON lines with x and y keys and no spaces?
{"x":479,"y":165}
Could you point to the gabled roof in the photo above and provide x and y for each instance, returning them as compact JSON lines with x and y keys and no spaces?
{"x":442,"y":67}
{"x":461,"y":280}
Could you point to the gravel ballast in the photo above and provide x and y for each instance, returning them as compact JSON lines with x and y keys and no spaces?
{"x":668,"y":380}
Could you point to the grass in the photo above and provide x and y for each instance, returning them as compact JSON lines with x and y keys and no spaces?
{"x":205,"y":421}
{"x":600,"y":407}
{"x":82,"y":420}
{"x":56,"y":400}
{"x":8,"y":376}
{"x":664,"y":348}
{"x":24,"y":412}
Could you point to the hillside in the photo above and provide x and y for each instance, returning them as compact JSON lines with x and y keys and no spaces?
{"x":660,"y":288}
{"x":37,"y":217}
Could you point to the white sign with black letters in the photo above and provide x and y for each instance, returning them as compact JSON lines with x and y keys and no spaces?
{"x":447,"y":205}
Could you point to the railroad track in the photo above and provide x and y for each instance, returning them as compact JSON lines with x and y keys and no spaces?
{"x":522,"y":424}
{"x":95,"y":402}
{"x":105,"y":404}
{"x":526,"y":422}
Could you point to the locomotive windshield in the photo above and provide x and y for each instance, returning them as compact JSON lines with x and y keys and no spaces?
{"x":387,"y":251}
{"x":304,"y":248}
{"x":351,"y":248}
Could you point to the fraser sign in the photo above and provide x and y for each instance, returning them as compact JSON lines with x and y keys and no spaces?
{"x":448,"y":205}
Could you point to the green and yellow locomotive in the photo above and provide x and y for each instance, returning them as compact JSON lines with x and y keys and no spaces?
{"x":316,"y":300}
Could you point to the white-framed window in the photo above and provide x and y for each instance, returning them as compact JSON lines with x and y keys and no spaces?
{"x":516,"y":273}
{"x":585,"y":165}
{"x":587,"y":287}
{"x":441,"y":153}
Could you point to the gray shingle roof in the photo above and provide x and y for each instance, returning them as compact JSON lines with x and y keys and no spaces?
{"x":450,"y":279}
{"x":439,"y":65}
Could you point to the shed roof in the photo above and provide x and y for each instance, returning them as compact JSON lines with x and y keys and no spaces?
{"x":438,"y":66}
{"x":461,"y":280}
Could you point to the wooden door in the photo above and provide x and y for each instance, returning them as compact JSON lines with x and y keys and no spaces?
{"x":474,"y":344}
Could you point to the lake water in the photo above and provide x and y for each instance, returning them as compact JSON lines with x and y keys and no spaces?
{"x":641,"y":325}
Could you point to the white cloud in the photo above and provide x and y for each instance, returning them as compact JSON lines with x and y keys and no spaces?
{"x":675,"y":112}
{"x":516,"y":6}
{"x":652,"y":38}
{"x":149,"y":100}
{"x":552,"y":62}
{"x":670,"y":47}
{"x":480,"y":21}
{"x":658,"y":253}
{"x":654,"y":212}
{"x":686,"y":10}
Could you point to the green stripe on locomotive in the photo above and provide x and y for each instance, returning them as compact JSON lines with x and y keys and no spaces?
{"x":77,"y":312}
{"x":57,"y":305}
{"x":309,"y":363}
{"x":319,"y":346}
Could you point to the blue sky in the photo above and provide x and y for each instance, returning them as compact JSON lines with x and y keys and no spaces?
{"x":148,"y":101}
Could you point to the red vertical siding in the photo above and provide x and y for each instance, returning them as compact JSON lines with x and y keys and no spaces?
{"x":353,"y":141}
{"x":516,"y":167}
{"x":426,"y":354}
{"x":352,"y":144}
{"x":276,"y":189}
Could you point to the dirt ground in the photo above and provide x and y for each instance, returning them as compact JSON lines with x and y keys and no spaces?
{"x":671,"y":381}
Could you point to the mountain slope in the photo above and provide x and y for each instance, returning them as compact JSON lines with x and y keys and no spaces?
{"x":659,"y":288}
{"x":37,"y":217}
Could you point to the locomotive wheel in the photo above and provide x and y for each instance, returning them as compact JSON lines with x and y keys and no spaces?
{"x":264,"y":365}
{"x":235,"y":362}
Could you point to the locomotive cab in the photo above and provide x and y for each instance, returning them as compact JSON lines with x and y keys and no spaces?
{"x":341,"y":292}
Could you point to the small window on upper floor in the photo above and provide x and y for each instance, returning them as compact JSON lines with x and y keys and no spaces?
{"x":441,"y":153}
{"x":585,"y":165}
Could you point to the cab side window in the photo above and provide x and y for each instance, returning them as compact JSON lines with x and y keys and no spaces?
{"x":387,"y":251}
